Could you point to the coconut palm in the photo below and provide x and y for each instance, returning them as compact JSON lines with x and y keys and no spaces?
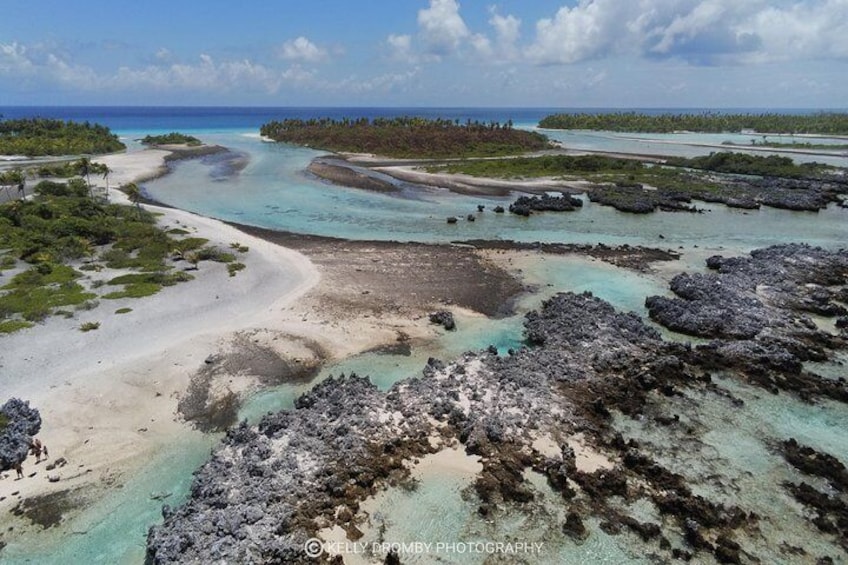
{"x":83,"y":167}
{"x":134,"y":194}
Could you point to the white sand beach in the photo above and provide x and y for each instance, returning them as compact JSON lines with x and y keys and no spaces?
{"x":108,"y":398}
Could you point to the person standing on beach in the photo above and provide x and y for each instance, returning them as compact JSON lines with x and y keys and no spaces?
{"x":19,"y":470}
{"x":35,"y":449}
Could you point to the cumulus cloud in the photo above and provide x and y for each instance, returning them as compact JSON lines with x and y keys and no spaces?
{"x":441,"y":27}
{"x":14,"y":59}
{"x":301,"y":49}
{"x":507,"y":28}
{"x":400,"y":48}
{"x":699,"y":31}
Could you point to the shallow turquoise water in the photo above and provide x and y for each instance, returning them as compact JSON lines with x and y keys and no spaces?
{"x":114,"y":528}
{"x":274,"y":192}
{"x":736,"y":459}
{"x":444,"y":514}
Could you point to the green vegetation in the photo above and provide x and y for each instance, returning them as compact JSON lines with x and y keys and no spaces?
{"x":137,"y":290}
{"x":7,"y":262}
{"x":236,"y":246}
{"x":42,"y":136}
{"x":744,"y":164}
{"x":544,"y":166}
{"x":4,"y":420}
{"x":172,"y":138}
{"x":611,"y":169}
{"x":34,"y":293}
{"x":89,"y":326}
{"x":11,"y":326}
{"x":215,"y":254}
{"x":234,"y":268}
{"x":189,"y":244}
{"x":63,"y":223}
{"x":123,"y":310}
{"x":138,"y":285}
{"x":407,"y":137}
{"x":826,"y":123}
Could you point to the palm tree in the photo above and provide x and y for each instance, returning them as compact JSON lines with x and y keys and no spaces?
{"x":134,"y":194}
{"x":84,"y":169}
{"x":105,"y":170}
{"x":101,"y":169}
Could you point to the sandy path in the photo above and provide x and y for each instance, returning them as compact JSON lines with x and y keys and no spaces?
{"x":108,"y":397}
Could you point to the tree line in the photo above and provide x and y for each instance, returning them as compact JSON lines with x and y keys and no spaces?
{"x":173,"y":138}
{"x":407,"y":137}
{"x":826,"y":123}
{"x":37,"y":137}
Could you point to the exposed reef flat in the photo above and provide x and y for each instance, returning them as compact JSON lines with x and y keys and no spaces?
{"x":632,"y":196}
{"x":586,"y":368}
{"x":733,"y":191}
{"x":335,"y":172}
{"x":410,"y":171}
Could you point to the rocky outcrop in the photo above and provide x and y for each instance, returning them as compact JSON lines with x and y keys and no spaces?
{"x":635,"y":199}
{"x":526,"y":205}
{"x":756,"y":309}
{"x":747,"y":193}
{"x":19,"y":423}
{"x":269,"y":488}
{"x":443,"y":318}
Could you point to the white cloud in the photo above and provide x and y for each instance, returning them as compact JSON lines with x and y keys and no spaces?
{"x":163,"y":55}
{"x":441,"y":27}
{"x":14,"y":59}
{"x":400,"y":48}
{"x":699,"y":31}
{"x":301,"y":49}
{"x":585,"y":31}
{"x":507,"y":28}
{"x":507,"y":33}
{"x":818,"y":30}
{"x":206,"y":74}
{"x":382,"y":83}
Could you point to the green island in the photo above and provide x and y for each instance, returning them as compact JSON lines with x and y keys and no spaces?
{"x":407,"y":137}
{"x":602,"y":167}
{"x":173,"y":138}
{"x":37,"y":137}
{"x":71,"y":250}
{"x":823,"y":123}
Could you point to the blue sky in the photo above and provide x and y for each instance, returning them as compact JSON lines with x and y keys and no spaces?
{"x":563,"y":53}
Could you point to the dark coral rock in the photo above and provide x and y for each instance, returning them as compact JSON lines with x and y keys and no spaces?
{"x":22,"y":424}
{"x":574,"y":526}
{"x":443,"y":318}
